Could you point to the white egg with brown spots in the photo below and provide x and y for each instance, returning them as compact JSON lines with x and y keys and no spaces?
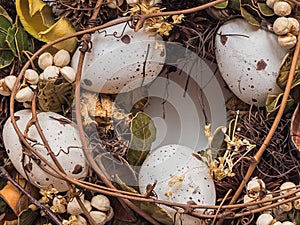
{"x":248,"y":59}
{"x":121,"y":60}
{"x":64,"y":140}
{"x":181,"y":177}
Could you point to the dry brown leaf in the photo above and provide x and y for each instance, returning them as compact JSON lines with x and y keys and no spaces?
{"x":14,"y":198}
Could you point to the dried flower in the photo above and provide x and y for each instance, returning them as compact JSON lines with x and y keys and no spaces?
{"x":222,"y":166}
{"x":47,"y":194}
{"x":157,"y":25}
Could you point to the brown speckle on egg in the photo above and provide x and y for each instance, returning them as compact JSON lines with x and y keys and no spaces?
{"x":77,"y":169}
{"x":126,"y":39}
{"x":87,"y":82}
{"x":261,"y":65}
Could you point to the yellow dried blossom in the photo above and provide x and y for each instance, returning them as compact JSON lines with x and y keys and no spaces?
{"x":177,"y":19}
{"x":222,"y":166}
{"x":156,"y":25}
{"x":47,"y":194}
{"x":71,"y":221}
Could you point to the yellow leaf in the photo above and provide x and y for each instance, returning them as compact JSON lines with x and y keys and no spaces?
{"x":35,"y":16}
{"x":37,"y":19}
{"x":60,"y":29}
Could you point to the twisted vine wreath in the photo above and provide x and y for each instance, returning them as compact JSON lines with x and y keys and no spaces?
{"x":222,"y":211}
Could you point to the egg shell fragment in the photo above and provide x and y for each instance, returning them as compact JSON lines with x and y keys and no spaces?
{"x":121,"y":62}
{"x":170,"y":161}
{"x":64,"y":140}
{"x":248,"y":59}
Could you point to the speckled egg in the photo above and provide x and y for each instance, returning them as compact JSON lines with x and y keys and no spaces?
{"x":248,"y":59}
{"x":121,"y":60}
{"x":64,"y":140}
{"x":181,"y":177}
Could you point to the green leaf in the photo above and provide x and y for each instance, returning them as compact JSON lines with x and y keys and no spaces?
{"x":22,"y":42}
{"x":6,"y":55}
{"x":55,"y":97}
{"x":235,"y":5}
{"x":284,"y":71}
{"x":264,"y":9}
{"x":116,"y":167}
{"x":5,"y":20}
{"x":27,"y":217}
{"x":6,"y":58}
{"x":3,"y":206}
{"x":10,"y":39}
{"x":217,"y":140}
{"x":249,"y":17}
{"x":273,"y":103}
{"x":18,"y":41}
{"x":3,"y":183}
{"x":158,"y":213}
{"x":221,"y":5}
{"x":143,"y":134}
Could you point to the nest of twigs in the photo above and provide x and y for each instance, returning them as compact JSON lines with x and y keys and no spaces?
{"x":274,"y":159}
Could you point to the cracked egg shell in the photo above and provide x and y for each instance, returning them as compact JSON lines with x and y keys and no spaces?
{"x":169,"y":162}
{"x":248,"y":59}
{"x":122,"y":62}
{"x":63,"y":138}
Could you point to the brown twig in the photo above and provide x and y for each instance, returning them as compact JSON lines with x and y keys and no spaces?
{"x":220,"y":206}
{"x":125,"y":196}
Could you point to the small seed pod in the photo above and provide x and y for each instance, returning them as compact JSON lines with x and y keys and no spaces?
{"x":114,"y":3}
{"x":132,"y":2}
{"x":68,"y":73}
{"x":101,"y":203}
{"x":281,"y":26}
{"x":10,"y":81}
{"x":62,"y":58}
{"x":282,"y":8}
{"x":45,"y":60}
{"x":74,"y":208}
{"x":287,"y":185}
{"x":265,"y":219}
{"x":110,"y":214}
{"x":50,"y":73}
{"x":297,"y":204}
{"x":271,"y":3}
{"x":288,"y":223}
{"x":99,"y":217}
{"x":24,"y":95}
{"x":248,"y":199}
{"x":294,"y":25}
{"x":268,"y":196}
{"x":80,"y":220}
{"x":59,"y":204}
{"x":254,"y":187}
{"x":285,"y":207}
{"x":31,"y":76}
{"x":4,"y":90}
{"x":287,"y":41}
